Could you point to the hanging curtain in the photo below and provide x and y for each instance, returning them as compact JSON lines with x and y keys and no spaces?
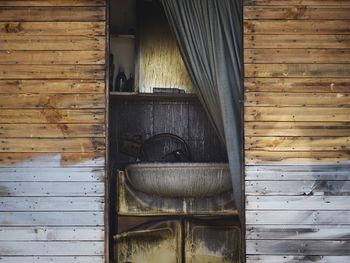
{"x":209,"y":35}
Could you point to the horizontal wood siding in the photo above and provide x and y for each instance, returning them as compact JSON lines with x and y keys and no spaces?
{"x":297,"y":127}
{"x":52,"y":131}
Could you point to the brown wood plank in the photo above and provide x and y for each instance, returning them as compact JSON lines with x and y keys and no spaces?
{"x":51,"y":57}
{"x":297,"y":99}
{"x":52,"y":3}
{"x":54,"y":101}
{"x":333,"y":129}
{"x":297,"y":247}
{"x":52,"y":14}
{"x":10,"y":42}
{"x":266,"y":157}
{"x":298,"y":143}
{"x":312,"y":114}
{"x":80,"y":145}
{"x":296,"y":12}
{"x":51,"y":116}
{"x":297,"y":188}
{"x":52,"y":72}
{"x":35,"y":160}
{"x":297,"y":70}
{"x":297,"y":2}
{"x":290,"y":27}
{"x":297,"y":85}
{"x":51,"y":130}
{"x":296,"y":232}
{"x":53,"y":28}
{"x":297,"y":55}
{"x":51,"y":86}
{"x":296,"y":41}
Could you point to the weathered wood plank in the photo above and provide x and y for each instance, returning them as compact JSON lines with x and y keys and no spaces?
{"x":297,"y":70}
{"x":51,"y":116}
{"x":51,"y":188}
{"x":56,"y":248}
{"x":298,"y":232}
{"x":296,"y":41}
{"x":51,"y":233}
{"x":298,"y":143}
{"x":45,"y":259}
{"x":22,"y":42}
{"x":51,"y":86}
{"x":53,"y":28}
{"x":328,"y":188}
{"x":52,"y":219}
{"x":296,"y":99}
{"x":296,"y":27}
{"x":293,"y":55}
{"x":52,"y":160}
{"x":52,"y":101}
{"x":297,"y":2}
{"x":280,"y":172}
{"x":53,"y":3}
{"x":297,"y":85}
{"x":296,"y":12}
{"x":298,"y":247}
{"x":33,"y":174}
{"x":51,"y":130}
{"x":51,"y":57}
{"x":297,"y":203}
{"x":311,"y":114}
{"x":52,"y":14}
{"x":52,"y":145}
{"x":16,"y":72}
{"x":296,"y":259}
{"x":266,"y":157}
{"x":284,"y":217}
{"x":333,"y":129}
{"x":26,"y":204}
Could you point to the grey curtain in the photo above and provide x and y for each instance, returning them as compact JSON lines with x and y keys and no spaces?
{"x":209,"y":35}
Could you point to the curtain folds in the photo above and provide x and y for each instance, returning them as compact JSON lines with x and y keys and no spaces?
{"x":209,"y":35}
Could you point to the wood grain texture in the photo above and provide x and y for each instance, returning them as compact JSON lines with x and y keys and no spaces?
{"x":10,"y":42}
{"x":52,"y":3}
{"x":58,"y":259}
{"x":296,"y":259}
{"x":296,"y":41}
{"x":297,"y":2}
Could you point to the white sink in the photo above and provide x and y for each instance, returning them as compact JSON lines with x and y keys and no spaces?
{"x":180,"y":179}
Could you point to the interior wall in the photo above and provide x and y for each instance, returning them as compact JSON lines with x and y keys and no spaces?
{"x":297,"y":130}
{"x":52,"y":129}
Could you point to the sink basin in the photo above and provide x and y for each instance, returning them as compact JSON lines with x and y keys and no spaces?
{"x":179,"y":179}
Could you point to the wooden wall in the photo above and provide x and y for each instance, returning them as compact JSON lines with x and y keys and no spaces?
{"x":52,"y":128}
{"x":297,"y":128}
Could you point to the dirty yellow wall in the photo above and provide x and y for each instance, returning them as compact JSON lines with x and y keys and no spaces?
{"x":52,"y":128}
{"x":297,"y":128}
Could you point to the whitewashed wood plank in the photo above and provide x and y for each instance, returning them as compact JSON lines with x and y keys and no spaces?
{"x":55,"y":248}
{"x":51,"y":203}
{"x":338,"y":188}
{"x":296,"y":259}
{"x":51,"y":233}
{"x":298,"y":202}
{"x":52,"y":189}
{"x":299,"y":232}
{"x":45,"y":259}
{"x":293,"y":217}
{"x":298,"y":247}
{"x":76,"y":174}
{"x":52,"y":218}
{"x":298,"y":172}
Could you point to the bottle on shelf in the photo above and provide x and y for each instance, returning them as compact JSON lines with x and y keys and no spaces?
{"x":130,"y":83}
{"x":120,"y":80}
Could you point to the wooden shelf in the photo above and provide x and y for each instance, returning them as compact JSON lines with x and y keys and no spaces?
{"x":136,"y":95}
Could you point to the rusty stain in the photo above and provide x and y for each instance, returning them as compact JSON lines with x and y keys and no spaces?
{"x":13,"y":27}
